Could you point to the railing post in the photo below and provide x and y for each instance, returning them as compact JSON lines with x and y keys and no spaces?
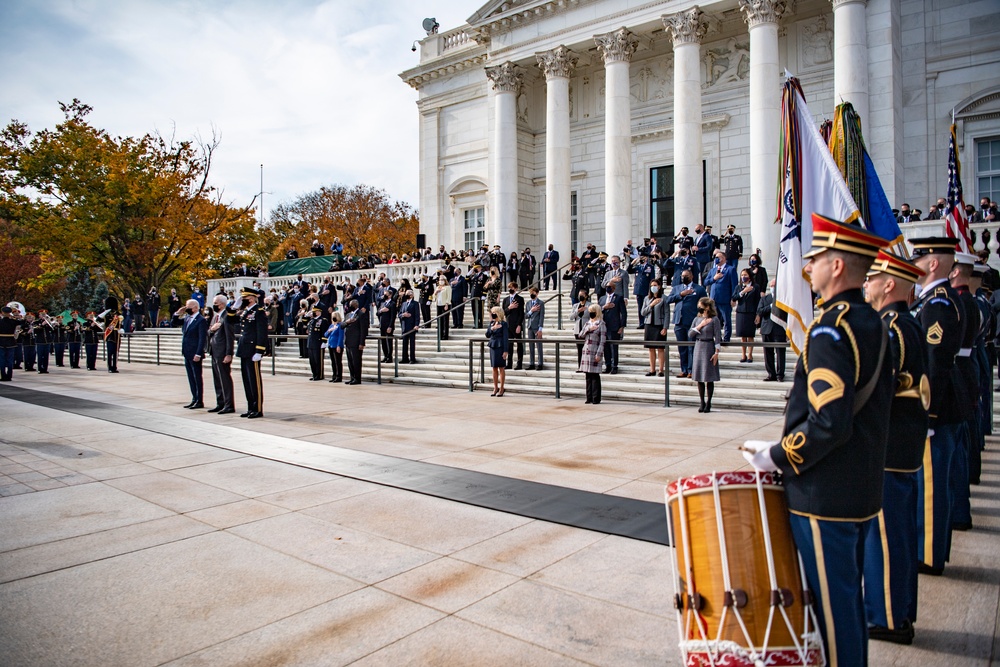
{"x":395,"y":357}
{"x":472,"y":384}
{"x":556,"y":343}
{"x":157,"y":348}
{"x":128,"y":350}
{"x":437,"y":328}
{"x":274,"y":355}
{"x":666,"y":375}
{"x":482,"y":362}
{"x":559,"y":310}
{"x":378,"y":361}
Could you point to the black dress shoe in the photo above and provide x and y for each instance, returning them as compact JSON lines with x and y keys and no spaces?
{"x":539,"y":368}
{"x":519,"y":368}
{"x":614,"y":371}
{"x":770,"y":379}
{"x":255,"y":415}
{"x":354,"y":382}
{"x":189,"y":405}
{"x":531,"y":367}
{"x":227,"y":411}
{"x":217,"y":408}
{"x":924,"y":568}
{"x":781,"y":378}
{"x":901,"y":635}
{"x":198,"y":406}
{"x":245,"y":414}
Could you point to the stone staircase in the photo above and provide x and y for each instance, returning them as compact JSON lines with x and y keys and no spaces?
{"x":742,"y":385}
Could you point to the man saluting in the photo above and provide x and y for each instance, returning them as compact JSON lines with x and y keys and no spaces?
{"x":250,"y":350}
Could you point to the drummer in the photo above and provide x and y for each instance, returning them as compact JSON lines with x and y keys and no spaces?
{"x":832,"y":452}
{"x":891,"y":545}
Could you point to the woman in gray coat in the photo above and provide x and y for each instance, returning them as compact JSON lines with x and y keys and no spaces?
{"x":654,"y":312}
{"x":706,"y":331}
{"x":595,"y":334}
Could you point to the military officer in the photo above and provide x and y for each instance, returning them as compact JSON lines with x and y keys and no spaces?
{"x":8,"y":343}
{"x":985,"y":353}
{"x":74,"y":336}
{"x":250,"y":350}
{"x":832,"y":454}
{"x":44,"y":333}
{"x":891,"y":545}
{"x":477,"y":283}
{"x":318,"y":325}
{"x":941,"y":317}
{"x":91,"y":337}
{"x":967,"y":362}
{"x":27,"y":339}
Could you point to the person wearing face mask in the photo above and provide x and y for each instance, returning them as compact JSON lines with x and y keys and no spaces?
{"x":613,"y":314}
{"x":758,"y":274}
{"x":579,"y":282}
{"x":318,"y":325}
{"x":194,"y":338}
{"x":655,"y":311}
{"x":771,"y":332}
{"x":644,"y":272}
{"x":594,"y":348}
{"x":938,"y":210}
{"x":617,"y":277}
{"x":335,"y":345}
{"x":221,"y":341}
{"x":409,"y":324}
{"x":354,"y":341}
{"x":497,"y":335}
{"x":587,"y":260}
{"x":678,"y":263}
{"x":250,"y":349}
{"x":746,"y":298}
{"x":686,"y":294}
{"x":579,"y":318}
{"x":534,"y":318}
{"x":513,"y":308}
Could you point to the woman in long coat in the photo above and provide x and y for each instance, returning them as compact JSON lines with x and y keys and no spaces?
{"x":595,"y":334}
{"x":706,"y":331}
{"x":493,"y":287}
{"x":496,"y":332}
{"x":746,"y":298}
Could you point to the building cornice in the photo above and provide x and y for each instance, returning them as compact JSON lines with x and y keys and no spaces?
{"x":436,"y":69}
{"x":710,"y":121}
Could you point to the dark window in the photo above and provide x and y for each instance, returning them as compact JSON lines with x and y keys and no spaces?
{"x":661,"y":209}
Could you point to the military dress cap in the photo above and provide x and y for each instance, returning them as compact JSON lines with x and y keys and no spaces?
{"x":933,"y":245}
{"x":979,"y":269}
{"x":965,"y":258}
{"x":731,"y":227}
{"x":6,"y":310}
{"x":830,"y":234}
{"x":893,"y":265}
{"x":249,"y":291}
{"x":89,"y":313}
{"x":477,"y":265}
{"x":318,"y":307}
{"x":602,"y":255}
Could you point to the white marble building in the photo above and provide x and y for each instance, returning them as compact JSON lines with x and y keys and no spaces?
{"x":571,"y":121}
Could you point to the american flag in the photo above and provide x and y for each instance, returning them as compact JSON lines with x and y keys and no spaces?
{"x":956,"y":224}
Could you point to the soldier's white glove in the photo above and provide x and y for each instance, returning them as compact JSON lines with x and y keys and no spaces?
{"x":257,"y":357}
{"x":760,"y":455}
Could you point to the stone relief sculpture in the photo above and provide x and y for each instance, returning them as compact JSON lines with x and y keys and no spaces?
{"x":652,"y":81}
{"x":522,"y":106}
{"x":727,"y":65}
{"x":817,"y":43}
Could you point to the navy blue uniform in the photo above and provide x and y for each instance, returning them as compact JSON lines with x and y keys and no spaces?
{"x":253,"y":341}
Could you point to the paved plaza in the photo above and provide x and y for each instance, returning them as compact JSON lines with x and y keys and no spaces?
{"x":134,"y":532}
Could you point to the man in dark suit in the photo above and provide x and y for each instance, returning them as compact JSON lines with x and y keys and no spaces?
{"x":194,"y":338}
{"x":387,"y":323}
{"x":772,"y":333}
{"x":526,"y":268}
{"x":550,"y":264}
{"x":459,"y":294}
{"x":221,"y":340}
{"x":513,"y":308}
{"x":613,"y":307}
{"x":477,"y":282}
{"x":409,"y":324}
{"x":702,"y":248}
{"x":722,"y":279}
{"x":685,"y":293}
{"x":354,"y":340}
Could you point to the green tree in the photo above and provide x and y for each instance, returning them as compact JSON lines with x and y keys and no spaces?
{"x":138,"y":211}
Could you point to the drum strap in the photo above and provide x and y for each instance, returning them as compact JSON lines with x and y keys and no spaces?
{"x":862,"y":395}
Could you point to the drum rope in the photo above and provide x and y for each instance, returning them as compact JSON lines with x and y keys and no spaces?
{"x":702,"y":630}
{"x":673,"y":570}
{"x":726,"y":579}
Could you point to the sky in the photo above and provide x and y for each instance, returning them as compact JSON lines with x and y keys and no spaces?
{"x":309,"y":89}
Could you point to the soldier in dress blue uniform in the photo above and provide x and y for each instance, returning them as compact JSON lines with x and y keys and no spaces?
{"x":891,"y":545}
{"x":8,"y":343}
{"x":250,"y":350}
{"x":984,"y":353}
{"x":27,"y":339}
{"x":44,"y":334}
{"x":91,"y":338}
{"x":74,"y":336}
{"x":941,"y":317}
{"x":832,"y":454}
{"x":318,"y":325}
{"x":967,"y":362}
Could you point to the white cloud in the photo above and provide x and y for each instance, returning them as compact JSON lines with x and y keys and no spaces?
{"x":310,"y":89}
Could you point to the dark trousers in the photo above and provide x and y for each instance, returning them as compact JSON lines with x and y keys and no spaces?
{"x":535,"y":343}
{"x":18,"y":356}
{"x":354,"y":363}
{"x":60,"y":351}
{"x":316,"y":362}
{"x":891,"y":554}
{"x":195,"y":379}
{"x":524,"y":279}
{"x":386,"y":344}
{"x":549,"y":274}
{"x":961,"y":508}
{"x":425,"y":312}
{"x":7,"y":363}
{"x":409,"y":346}
{"x":611,"y":350}
{"x":457,"y":315}
{"x":111,"y":347}
{"x":593,"y":387}
{"x":638,"y":310}
{"x":442,"y":322}
{"x":477,"y":312}
{"x":934,"y":504}
{"x":726,"y":315}
{"x":222,"y":378}
{"x":683,"y":351}
{"x":253,"y":384}
{"x":303,"y":349}
{"x":74,"y":355}
{"x":42,"y":350}
{"x":833,"y":554}
{"x":90,"y":350}
{"x":771,"y":354}
{"x":29,"y":357}
{"x":520,"y":349}
{"x":337,"y":364}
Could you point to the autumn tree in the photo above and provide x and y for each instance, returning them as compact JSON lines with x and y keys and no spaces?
{"x":140,"y":211}
{"x":364,"y":218}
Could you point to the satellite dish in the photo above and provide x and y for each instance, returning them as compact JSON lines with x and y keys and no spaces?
{"x":431,"y":26}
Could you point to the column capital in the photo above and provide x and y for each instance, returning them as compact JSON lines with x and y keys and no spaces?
{"x":756,"y":12}
{"x":840,"y":3}
{"x":686,"y":27}
{"x":506,"y":77}
{"x":559,"y":62}
{"x":616,"y":46}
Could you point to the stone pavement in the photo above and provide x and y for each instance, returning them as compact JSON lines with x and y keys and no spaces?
{"x":123,"y":545}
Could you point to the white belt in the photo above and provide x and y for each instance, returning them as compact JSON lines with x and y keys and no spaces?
{"x":965,"y":352}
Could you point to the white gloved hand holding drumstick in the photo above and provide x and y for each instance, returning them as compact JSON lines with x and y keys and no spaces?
{"x":758,"y":454}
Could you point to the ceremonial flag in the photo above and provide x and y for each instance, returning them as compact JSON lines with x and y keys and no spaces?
{"x":810,"y":183}
{"x":956,"y":225}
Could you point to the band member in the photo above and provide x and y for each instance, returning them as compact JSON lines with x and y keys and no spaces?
{"x":27,"y":339}
{"x":43,"y":340}
{"x":832,"y":454}
{"x":59,"y":339}
{"x":112,"y":332}
{"x":8,"y":343}
{"x":939,"y":312}
{"x":91,"y":337}
{"x":891,"y":545}
{"x":250,"y":349}
{"x":74,"y":336}
{"x":221,"y":340}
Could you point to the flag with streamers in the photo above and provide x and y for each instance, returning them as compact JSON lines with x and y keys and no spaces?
{"x":956,"y":224}
{"x":809,"y":182}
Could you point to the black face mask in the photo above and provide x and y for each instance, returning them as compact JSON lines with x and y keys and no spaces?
{"x":493,"y":316}
{"x":216,"y":307}
{"x":593,"y":316}
{"x":610,"y":290}
{"x":190,"y":311}
{"x":686,"y":280}
{"x":511,"y":291}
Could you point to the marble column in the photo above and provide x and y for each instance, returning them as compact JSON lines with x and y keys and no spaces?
{"x":686,"y":29}
{"x":616,"y":48}
{"x":502,"y":227}
{"x":762,"y":17}
{"x":850,"y":57}
{"x":557,"y":65}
